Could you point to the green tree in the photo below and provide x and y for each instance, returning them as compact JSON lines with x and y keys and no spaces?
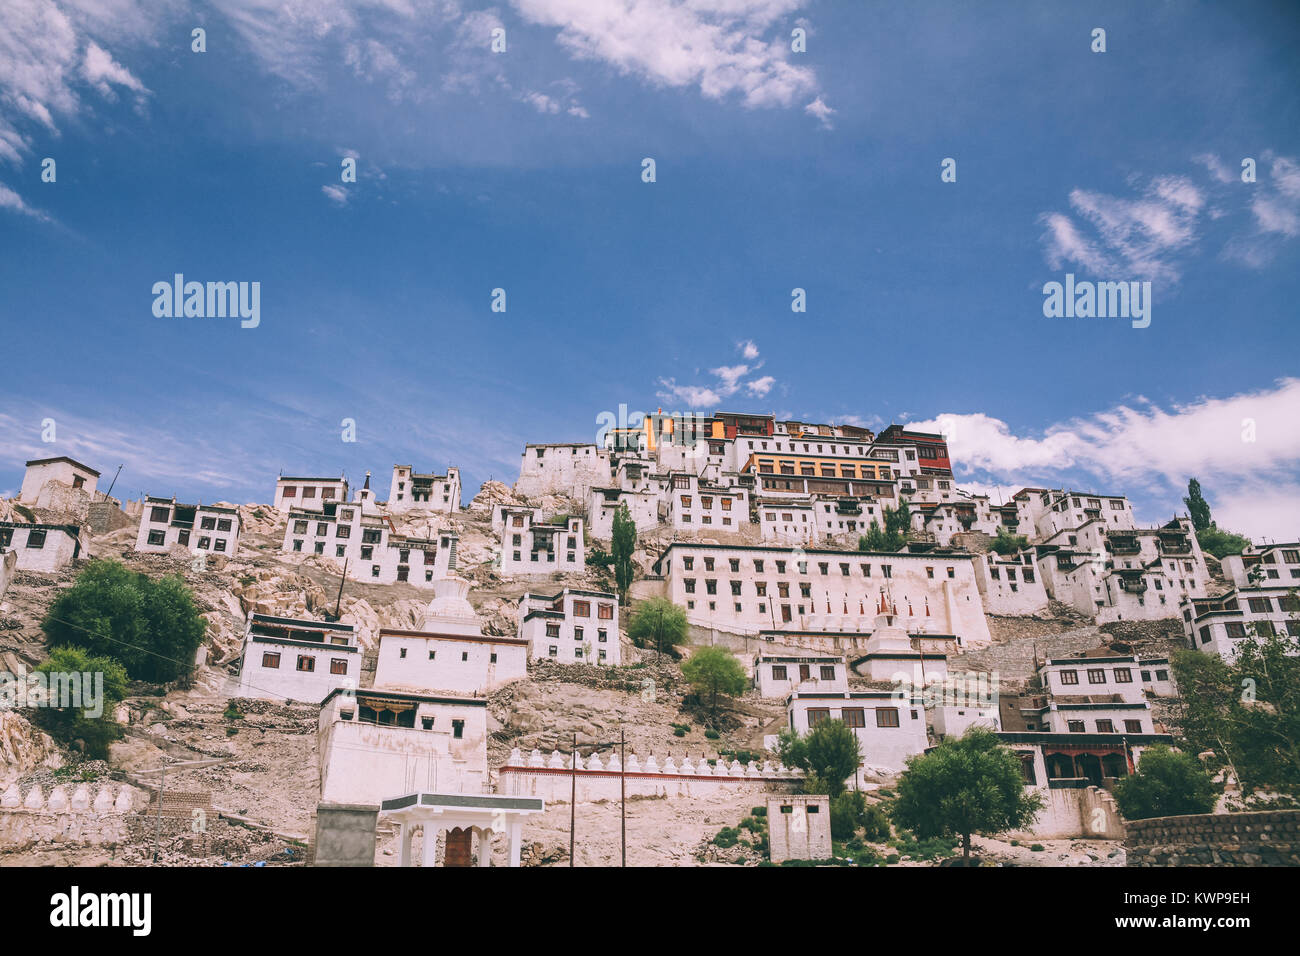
{"x":898,"y":522}
{"x":828,"y":755}
{"x":1197,"y":506}
{"x":1246,"y":712}
{"x":1212,"y":539}
{"x":622,"y":545}
{"x":1166,"y":783}
{"x":1007,"y":544}
{"x":1220,"y":543}
{"x":967,"y":785}
{"x":714,"y":671}
{"x":150,"y":625}
{"x":657,"y":622}
{"x":102,"y":684}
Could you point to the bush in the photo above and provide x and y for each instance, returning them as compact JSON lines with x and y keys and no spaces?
{"x":91,"y":721}
{"x":727,"y":836}
{"x":1167,"y":783}
{"x":848,"y":814}
{"x":657,"y":623}
{"x":759,"y":811}
{"x":151,"y":626}
{"x":1036,"y":848}
{"x":679,"y":731}
{"x":712,"y":734}
{"x":828,"y":754}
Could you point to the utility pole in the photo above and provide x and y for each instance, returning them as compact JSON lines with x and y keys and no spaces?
{"x":157,"y":835}
{"x":114,"y":481}
{"x":622,"y":788}
{"x":343,"y":577}
{"x":573,"y":794}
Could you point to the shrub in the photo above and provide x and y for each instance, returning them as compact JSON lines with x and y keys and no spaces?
{"x":727,"y":836}
{"x":712,"y":734}
{"x":151,"y":626}
{"x":1167,"y":783}
{"x":1036,"y":848}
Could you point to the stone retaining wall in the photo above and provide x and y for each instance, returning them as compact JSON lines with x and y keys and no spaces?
{"x":1269,"y":838}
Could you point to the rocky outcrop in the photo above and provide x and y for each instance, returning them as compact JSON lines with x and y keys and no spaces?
{"x":23,"y":747}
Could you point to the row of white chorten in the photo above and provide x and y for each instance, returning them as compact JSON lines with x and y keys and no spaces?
{"x":60,"y":802}
{"x":700,"y":768}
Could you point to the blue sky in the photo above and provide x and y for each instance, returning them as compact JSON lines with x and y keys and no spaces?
{"x":775,"y":170}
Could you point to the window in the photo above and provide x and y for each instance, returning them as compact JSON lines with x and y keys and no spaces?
{"x":208,"y":524}
{"x":605,"y":612}
{"x":1069,"y":677}
{"x":1133,"y":726}
{"x":1105,"y":726}
{"x":306,"y":663}
{"x":1075,"y":726}
{"x":343,"y":531}
{"x":582,"y":609}
{"x":157,"y":537}
{"x":817,"y":714}
{"x":886,"y":716}
{"x":338,"y":665}
{"x":160,"y":514}
{"x":854,"y":717}
{"x":828,"y":672}
{"x":271,"y":660}
{"x":1123,"y":675}
{"x":206,"y":543}
{"x":553,"y":651}
{"x":779,"y":672}
{"x":1096,"y":675}
{"x":458,"y":729}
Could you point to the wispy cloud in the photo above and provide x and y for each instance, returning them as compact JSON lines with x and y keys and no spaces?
{"x":728,"y":381}
{"x":1122,"y":237}
{"x":721,"y":47}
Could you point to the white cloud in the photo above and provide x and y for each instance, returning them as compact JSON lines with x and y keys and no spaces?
{"x":728,"y":381}
{"x":1121,"y":238}
{"x":1141,"y":447}
{"x":715,"y":45}
{"x":11,"y":200}
{"x":695,"y":396}
{"x":336,"y":194}
{"x":819,"y":109}
{"x":102,"y":72}
{"x":52,"y":51}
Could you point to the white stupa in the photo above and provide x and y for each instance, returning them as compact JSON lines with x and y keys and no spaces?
{"x":450,"y":611}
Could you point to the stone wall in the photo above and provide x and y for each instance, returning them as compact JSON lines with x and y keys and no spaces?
{"x":80,"y":818}
{"x":1269,"y":838}
{"x":597,"y":779}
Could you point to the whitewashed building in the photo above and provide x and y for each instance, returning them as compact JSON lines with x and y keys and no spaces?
{"x":779,"y":676}
{"x":700,"y":505}
{"x":746,"y":589}
{"x":1269,"y":565}
{"x":572,"y":468}
{"x":573,"y":626}
{"x":42,"y":547}
{"x":164,"y":523}
{"x":449,"y":652}
{"x":367,"y":545}
{"x":889,"y":729}
{"x":411,"y":490}
{"x":63,"y":470}
{"x":309,"y":494}
{"x":1011,"y":584}
{"x":1219,"y":625}
{"x":1126,"y":574}
{"x":293,"y":659}
{"x":375,"y":743}
{"x":530,"y":546}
